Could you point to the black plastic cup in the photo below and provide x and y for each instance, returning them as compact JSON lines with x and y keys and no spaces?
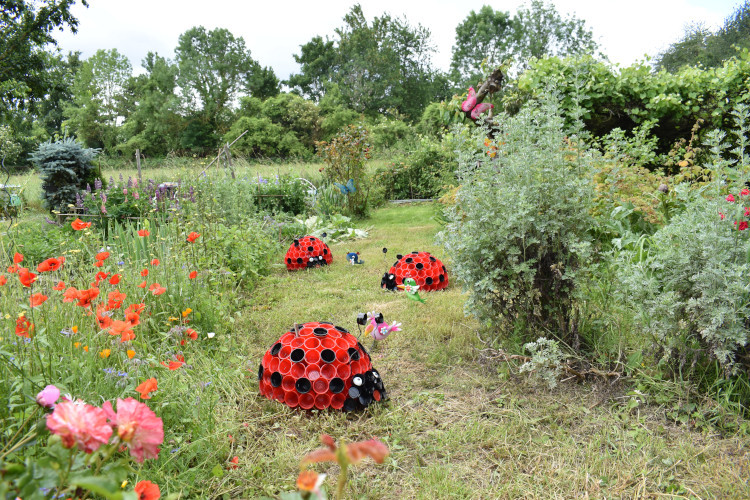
{"x":353,"y":354}
{"x":350,"y":405}
{"x":276,"y":348}
{"x":320,"y":331}
{"x":336,"y":385}
{"x":276,"y":379}
{"x":353,"y":392}
{"x":328,"y":356}
{"x":260,"y":372}
{"x":303,"y":385}
{"x":297,"y":355}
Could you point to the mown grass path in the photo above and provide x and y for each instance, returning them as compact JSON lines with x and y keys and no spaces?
{"x":456,"y":427}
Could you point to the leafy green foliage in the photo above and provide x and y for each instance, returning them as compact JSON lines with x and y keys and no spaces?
{"x":518,"y":235}
{"x":66,"y":169}
{"x":424,"y":172}
{"x":345,"y":157}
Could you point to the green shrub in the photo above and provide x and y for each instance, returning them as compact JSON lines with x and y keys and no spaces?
{"x":66,"y":169}
{"x":519,"y":234}
{"x":280,"y":194}
{"x":345,"y":157}
{"x":423,"y":173}
{"x":690,"y":292}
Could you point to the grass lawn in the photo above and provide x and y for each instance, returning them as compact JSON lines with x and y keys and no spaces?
{"x":457,"y":426}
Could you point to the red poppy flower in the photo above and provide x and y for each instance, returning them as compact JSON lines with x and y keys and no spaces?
{"x":156,"y":289}
{"x":17,"y":258}
{"x":12,"y":269}
{"x":24,"y":327}
{"x":37,"y":299}
{"x":104,"y":320}
{"x":3,"y":280}
{"x":144,"y":273}
{"x":174,"y":365}
{"x":50,"y":264}
{"x":234,"y":461}
{"x":742,"y":226}
{"x":135,"y":308}
{"x":133,"y":318}
{"x":142,"y":285}
{"x":115,"y":299}
{"x":102,"y":256}
{"x":122,"y":328}
{"x":115,"y":279}
{"x":193,"y":275}
{"x":143,"y":232}
{"x":86,"y":296}
{"x":98,"y":263}
{"x":147,"y":387}
{"x":60,"y":286}
{"x":155,"y":262}
{"x":70,"y":295}
{"x":26,"y":277}
{"x":193,"y":236}
{"x":79,"y":225}
{"x":101,"y":275}
{"x":147,"y":490}
{"x":191,"y":333}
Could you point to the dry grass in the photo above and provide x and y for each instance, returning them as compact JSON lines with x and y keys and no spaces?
{"x":456,"y":428}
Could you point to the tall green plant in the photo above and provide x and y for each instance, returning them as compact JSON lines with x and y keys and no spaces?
{"x":518,"y":235}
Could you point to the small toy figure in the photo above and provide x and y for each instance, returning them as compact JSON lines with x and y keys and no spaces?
{"x":353,"y":258}
{"x":388,"y":282}
{"x":410,"y":287}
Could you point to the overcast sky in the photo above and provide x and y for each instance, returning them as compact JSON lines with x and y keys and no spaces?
{"x":627,"y":30}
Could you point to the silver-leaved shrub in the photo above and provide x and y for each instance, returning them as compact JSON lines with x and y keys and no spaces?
{"x":519,"y":233}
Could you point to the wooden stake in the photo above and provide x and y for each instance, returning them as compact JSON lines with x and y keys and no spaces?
{"x":138,"y":164}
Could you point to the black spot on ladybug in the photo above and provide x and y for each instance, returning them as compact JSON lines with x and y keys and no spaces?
{"x":276,"y":379}
{"x":276,"y":348}
{"x":302,"y":385}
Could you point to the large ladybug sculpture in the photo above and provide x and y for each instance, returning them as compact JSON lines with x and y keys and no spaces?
{"x":307,"y":252}
{"x":319,"y":365}
{"x":429,"y":273}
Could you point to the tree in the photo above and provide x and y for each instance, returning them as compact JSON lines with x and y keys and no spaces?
{"x":213,"y":66}
{"x":492,"y":37}
{"x":486,"y":35}
{"x":98,"y":87}
{"x":154,"y":123}
{"x":700,"y":46}
{"x":25,"y":31}
{"x":261,"y":82}
{"x":318,"y":59}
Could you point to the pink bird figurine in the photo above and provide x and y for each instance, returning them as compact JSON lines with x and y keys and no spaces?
{"x":470,"y":101}
{"x":479,"y":109}
{"x":384,"y":330}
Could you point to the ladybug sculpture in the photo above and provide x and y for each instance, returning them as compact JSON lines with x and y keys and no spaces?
{"x":427,"y":271}
{"x":307,"y":252}
{"x":319,"y":365}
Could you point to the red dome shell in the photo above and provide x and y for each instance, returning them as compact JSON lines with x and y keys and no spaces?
{"x":429,"y":273}
{"x":321,"y":366}
{"x":308,"y":251}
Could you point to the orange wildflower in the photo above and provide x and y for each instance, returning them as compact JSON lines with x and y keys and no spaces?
{"x":51,"y":264}
{"x":26,"y":277}
{"x":37,"y":299}
{"x":70,"y":295}
{"x":146,"y":490}
{"x":12,"y":269}
{"x":3,"y":280}
{"x":354,"y":452}
{"x":79,"y":225}
{"x":146,"y":387}
{"x":101,"y":275}
{"x":24,"y":327}
{"x":102,"y":256}
{"x":104,"y":353}
{"x":17,"y":258}
{"x":60,"y":286}
{"x":191,"y":333}
{"x":136,"y":308}
{"x":193,"y":275}
{"x":193,"y":236}
{"x":86,"y":296}
{"x":122,"y":328}
{"x":115,"y":279}
{"x":155,"y":262}
{"x":173,"y":365}
{"x":115,"y":299}
{"x":130,"y":353}
{"x":86,"y":348}
{"x":143,"y":232}
{"x":310,"y":481}
{"x":156,"y":289}
{"x":98,"y":263}
{"x":144,"y":273}
{"x":142,"y":285}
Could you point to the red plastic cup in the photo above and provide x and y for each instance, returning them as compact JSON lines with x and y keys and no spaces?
{"x":342,"y":356}
{"x":320,"y":386}
{"x":266,"y":358}
{"x":322,"y":401}
{"x":286,"y":338}
{"x":291,"y":399}
{"x":328,"y":371}
{"x":337,"y":401}
{"x":306,"y":401}
{"x":298,"y":370}
{"x":285,"y":351}
{"x":278,"y":394}
{"x":328,"y":343}
{"x":312,"y":343}
{"x":306,"y":331}
{"x":343,"y":372}
{"x":273,"y":365}
{"x":342,"y":343}
{"x":297,"y":342}
{"x":287,"y":383}
{"x":376,"y":395}
{"x":313,"y":356}
{"x":285,"y":366}
{"x":312,"y":373}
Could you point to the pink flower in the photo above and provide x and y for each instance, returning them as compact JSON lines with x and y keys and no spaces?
{"x":470,"y":102}
{"x":48,"y":396}
{"x":745,"y":192}
{"x":742,"y":226}
{"x":721,"y":214}
{"x":137,"y":426}
{"x":136,"y":195}
{"x":79,"y":424}
{"x":730,"y":198}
